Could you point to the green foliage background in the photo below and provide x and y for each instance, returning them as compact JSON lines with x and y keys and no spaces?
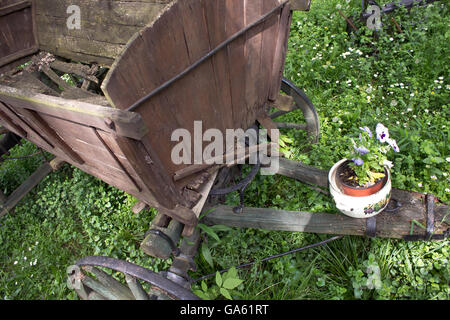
{"x":404,"y":85}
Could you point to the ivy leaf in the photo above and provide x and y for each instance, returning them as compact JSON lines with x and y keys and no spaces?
{"x":232,"y":283}
{"x":225,"y":293}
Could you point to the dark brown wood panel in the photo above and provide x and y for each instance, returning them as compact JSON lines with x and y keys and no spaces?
{"x":106,"y":26}
{"x":32,"y":133}
{"x":125,"y":123}
{"x":17,"y":31}
{"x":235,"y":21}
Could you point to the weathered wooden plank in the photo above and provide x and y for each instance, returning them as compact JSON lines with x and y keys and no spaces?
{"x":17,"y":32}
{"x":30,"y":81}
{"x":7,"y":122}
{"x":280,"y":52}
{"x":69,"y":92}
{"x":201,"y":82}
{"x":150,"y":170}
{"x":51,"y":134}
{"x":235,"y":21}
{"x":197,"y":209}
{"x":32,"y":133}
{"x":4,"y":10}
{"x":265,"y":120}
{"x":138,"y":207}
{"x":253,"y":49}
{"x":389,"y":224}
{"x":75,"y":68}
{"x":127,"y":124}
{"x":116,"y":160}
{"x":300,"y":5}
{"x":271,"y":27}
{"x":284,"y":103}
{"x":136,"y":288}
{"x":215,"y":15}
{"x":302,"y":172}
{"x":106,"y":26}
{"x":27,"y":186}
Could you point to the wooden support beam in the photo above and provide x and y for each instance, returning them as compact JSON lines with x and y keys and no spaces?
{"x":25,"y":187}
{"x":138,"y":207}
{"x":51,"y":135}
{"x":388,"y":224}
{"x":69,"y":92}
{"x":56,"y":163}
{"x":302,"y":172}
{"x":9,"y":122}
{"x":198,"y":208}
{"x":11,"y":113}
{"x":284,"y":103}
{"x":221,"y":161}
{"x":287,"y":125}
{"x":128,"y":124}
{"x":81,"y":70}
{"x":3,"y":130}
{"x":300,"y":5}
{"x":266,"y":121}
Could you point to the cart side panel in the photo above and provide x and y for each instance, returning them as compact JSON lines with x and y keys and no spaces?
{"x":226,"y":91}
{"x":105,"y":27}
{"x":17,"y":30}
{"x":76,"y":132}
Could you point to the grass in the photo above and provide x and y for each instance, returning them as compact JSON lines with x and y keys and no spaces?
{"x":404,"y":85}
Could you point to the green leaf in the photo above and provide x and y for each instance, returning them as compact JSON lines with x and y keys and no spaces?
{"x":232,"y":273}
{"x":232,"y":283}
{"x":218,"y":279}
{"x":219,"y":227}
{"x":201,"y":294}
{"x":204,"y":286}
{"x":205,"y":213}
{"x":209,"y":231}
{"x":225,"y":293}
{"x":207,"y":255}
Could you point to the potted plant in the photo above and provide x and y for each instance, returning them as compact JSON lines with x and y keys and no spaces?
{"x":361,"y":183}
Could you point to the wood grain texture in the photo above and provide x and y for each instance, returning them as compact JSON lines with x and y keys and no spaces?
{"x":389,"y":224}
{"x":106,"y":26}
{"x":226,"y":91}
{"x":126,"y":123}
{"x":17,"y":31}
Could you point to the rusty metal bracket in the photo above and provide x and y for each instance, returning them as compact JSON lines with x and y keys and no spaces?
{"x":430,"y":227}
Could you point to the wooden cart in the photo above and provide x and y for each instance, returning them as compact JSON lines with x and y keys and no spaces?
{"x":142,"y":70}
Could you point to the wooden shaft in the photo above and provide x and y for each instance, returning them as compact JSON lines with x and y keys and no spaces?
{"x":25,"y":187}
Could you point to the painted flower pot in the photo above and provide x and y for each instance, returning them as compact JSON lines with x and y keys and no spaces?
{"x":360,"y":206}
{"x":358,"y":191}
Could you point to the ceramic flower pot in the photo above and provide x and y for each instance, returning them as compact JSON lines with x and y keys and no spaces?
{"x":359,"y":206}
{"x":358,"y":191}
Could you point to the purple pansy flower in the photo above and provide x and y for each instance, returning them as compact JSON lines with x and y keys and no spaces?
{"x":358,"y":161}
{"x":382,"y":133}
{"x":393,"y":144}
{"x":366,"y":129}
{"x":362,"y":150}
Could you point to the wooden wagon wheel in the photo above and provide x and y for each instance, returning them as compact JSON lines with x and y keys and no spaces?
{"x":302,"y":102}
{"x":105,"y":287}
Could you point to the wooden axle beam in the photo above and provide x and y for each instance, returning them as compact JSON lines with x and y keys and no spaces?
{"x":398,"y":224}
